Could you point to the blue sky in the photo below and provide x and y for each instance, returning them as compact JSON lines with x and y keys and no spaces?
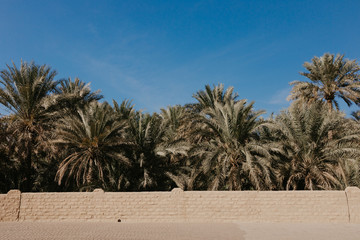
{"x":159,"y":53}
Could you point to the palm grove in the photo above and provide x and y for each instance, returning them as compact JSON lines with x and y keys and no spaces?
{"x":57,"y":136}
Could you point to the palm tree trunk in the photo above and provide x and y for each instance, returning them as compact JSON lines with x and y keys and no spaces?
{"x":89,"y":174}
{"x":330,"y":133}
{"x":28,"y":170}
{"x":329,"y":103}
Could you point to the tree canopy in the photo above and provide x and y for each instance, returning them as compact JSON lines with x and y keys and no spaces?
{"x":331,"y":77}
{"x":59,"y":136}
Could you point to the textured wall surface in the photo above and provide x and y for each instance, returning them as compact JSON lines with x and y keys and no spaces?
{"x":180,"y":206}
{"x":9,"y":206}
{"x":353,"y":198}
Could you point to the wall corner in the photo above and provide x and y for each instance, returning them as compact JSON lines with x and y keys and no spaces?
{"x":12,"y":206}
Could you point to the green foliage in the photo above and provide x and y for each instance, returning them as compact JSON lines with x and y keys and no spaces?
{"x":209,"y":97}
{"x":93,"y":139}
{"x":149,"y":153}
{"x":25,"y":93}
{"x":58,"y":137}
{"x":331,"y":77}
{"x":73,"y":95}
{"x":314,"y":148}
{"x":230,"y":151}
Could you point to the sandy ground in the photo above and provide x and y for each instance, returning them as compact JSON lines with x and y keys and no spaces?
{"x":198,"y":231}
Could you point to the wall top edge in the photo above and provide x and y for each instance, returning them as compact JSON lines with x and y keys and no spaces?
{"x":179,"y":191}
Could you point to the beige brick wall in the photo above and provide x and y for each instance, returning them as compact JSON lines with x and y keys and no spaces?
{"x":179,"y":206}
{"x":266,"y":206}
{"x":142,"y":206}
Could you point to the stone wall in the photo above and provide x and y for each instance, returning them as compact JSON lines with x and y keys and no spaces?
{"x":188,"y":206}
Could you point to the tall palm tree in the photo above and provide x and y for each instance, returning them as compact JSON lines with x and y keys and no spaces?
{"x":230,"y":152}
{"x":25,"y":94}
{"x":331,"y":77}
{"x":93,"y":139}
{"x":305,"y":157}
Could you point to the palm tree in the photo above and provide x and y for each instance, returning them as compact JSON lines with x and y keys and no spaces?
{"x":229,"y":148}
{"x":125,"y":110}
{"x":331,"y":77}
{"x":209,"y":97}
{"x":93,"y":139}
{"x":175,"y":146}
{"x":25,"y":94}
{"x":72,"y":95}
{"x":304,"y":155}
{"x":145,"y":133}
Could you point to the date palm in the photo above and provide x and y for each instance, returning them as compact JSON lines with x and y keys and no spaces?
{"x":210,"y":96}
{"x":230,"y":152}
{"x":331,"y":77}
{"x":145,"y":133}
{"x":74,"y":94}
{"x":305,"y":156}
{"x":175,"y":146}
{"x":124,"y":111}
{"x":25,"y":94}
{"x":174,"y":120}
{"x":93,"y":139}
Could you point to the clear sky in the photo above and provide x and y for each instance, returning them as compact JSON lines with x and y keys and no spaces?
{"x":159,"y":53}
